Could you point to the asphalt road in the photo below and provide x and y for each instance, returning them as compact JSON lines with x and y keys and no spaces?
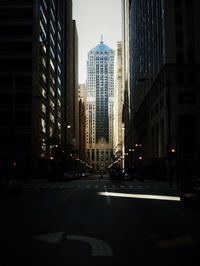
{"x":98,"y":222}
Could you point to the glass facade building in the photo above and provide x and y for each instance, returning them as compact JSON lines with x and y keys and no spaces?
{"x":33,"y":83}
{"x":163,"y":78}
{"x":100,"y":101}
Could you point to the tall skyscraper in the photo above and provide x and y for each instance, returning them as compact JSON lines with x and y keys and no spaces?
{"x":99,"y":108}
{"x":35,"y":76}
{"x":164,"y":76}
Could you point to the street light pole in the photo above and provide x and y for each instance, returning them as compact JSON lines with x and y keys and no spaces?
{"x":168,"y":102}
{"x":68,"y":137}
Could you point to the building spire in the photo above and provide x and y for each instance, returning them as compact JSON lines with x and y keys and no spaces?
{"x":101,"y":38}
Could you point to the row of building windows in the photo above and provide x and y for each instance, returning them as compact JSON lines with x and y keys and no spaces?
{"x":44,"y":124}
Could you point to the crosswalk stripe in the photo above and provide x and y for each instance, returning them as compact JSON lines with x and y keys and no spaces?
{"x":91,"y":186}
{"x":54,"y":186}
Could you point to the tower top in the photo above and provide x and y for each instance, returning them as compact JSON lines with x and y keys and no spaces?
{"x":101,"y":39}
{"x":101,"y":47}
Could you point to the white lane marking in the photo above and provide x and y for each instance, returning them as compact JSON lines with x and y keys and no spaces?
{"x":139,"y":196}
{"x":98,"y":246}
{"x":107,"y":195}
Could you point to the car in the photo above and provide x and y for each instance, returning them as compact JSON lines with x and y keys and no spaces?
{"x":66,"y":176}
{"x":190,"y":192}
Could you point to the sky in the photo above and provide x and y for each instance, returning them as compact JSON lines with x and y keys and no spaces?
{"x":93,"y":19}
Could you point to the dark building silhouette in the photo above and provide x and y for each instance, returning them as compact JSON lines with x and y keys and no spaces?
{"x":163,"y":86}
{"x":82,"y":127}
{"x":35,"y":82}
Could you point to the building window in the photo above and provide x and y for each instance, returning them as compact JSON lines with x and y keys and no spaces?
{"x":188,"y":98}
{"x":43,"y":108}
{"x":192,"y":78}
{"x":43,"y":93}
{"x":161,"y":103}
{"x":51,"y":131}
{"x":43,"y":125}
{"x":178,"y":19}
{"x":52,"y":118}
{"x":180,"y":78}
{"x":179,"y":57}
{"x":187,"y":134}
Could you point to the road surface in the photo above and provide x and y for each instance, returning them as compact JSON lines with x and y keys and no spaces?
{"x":98,"y":222}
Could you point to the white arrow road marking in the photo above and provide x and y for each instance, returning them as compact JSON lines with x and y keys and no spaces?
{"x":55,"y":238}
{"x":99,"y":247}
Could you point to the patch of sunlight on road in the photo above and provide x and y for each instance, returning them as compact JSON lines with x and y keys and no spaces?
{"x":139,"y":196}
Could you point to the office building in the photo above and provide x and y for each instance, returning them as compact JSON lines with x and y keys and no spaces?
{"x":164,"y":98}
{"x":35,"y":79}
{"x":99,"y":106}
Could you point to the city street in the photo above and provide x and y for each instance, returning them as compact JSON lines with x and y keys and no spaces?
{"x":98,"y":222}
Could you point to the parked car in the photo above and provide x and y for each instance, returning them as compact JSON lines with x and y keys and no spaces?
{"x":66,"y":176}
{"x":190,"y":192}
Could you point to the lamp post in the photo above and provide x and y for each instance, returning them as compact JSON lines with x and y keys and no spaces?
{"x":168,"y":102}
{"x":68,"y":138}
